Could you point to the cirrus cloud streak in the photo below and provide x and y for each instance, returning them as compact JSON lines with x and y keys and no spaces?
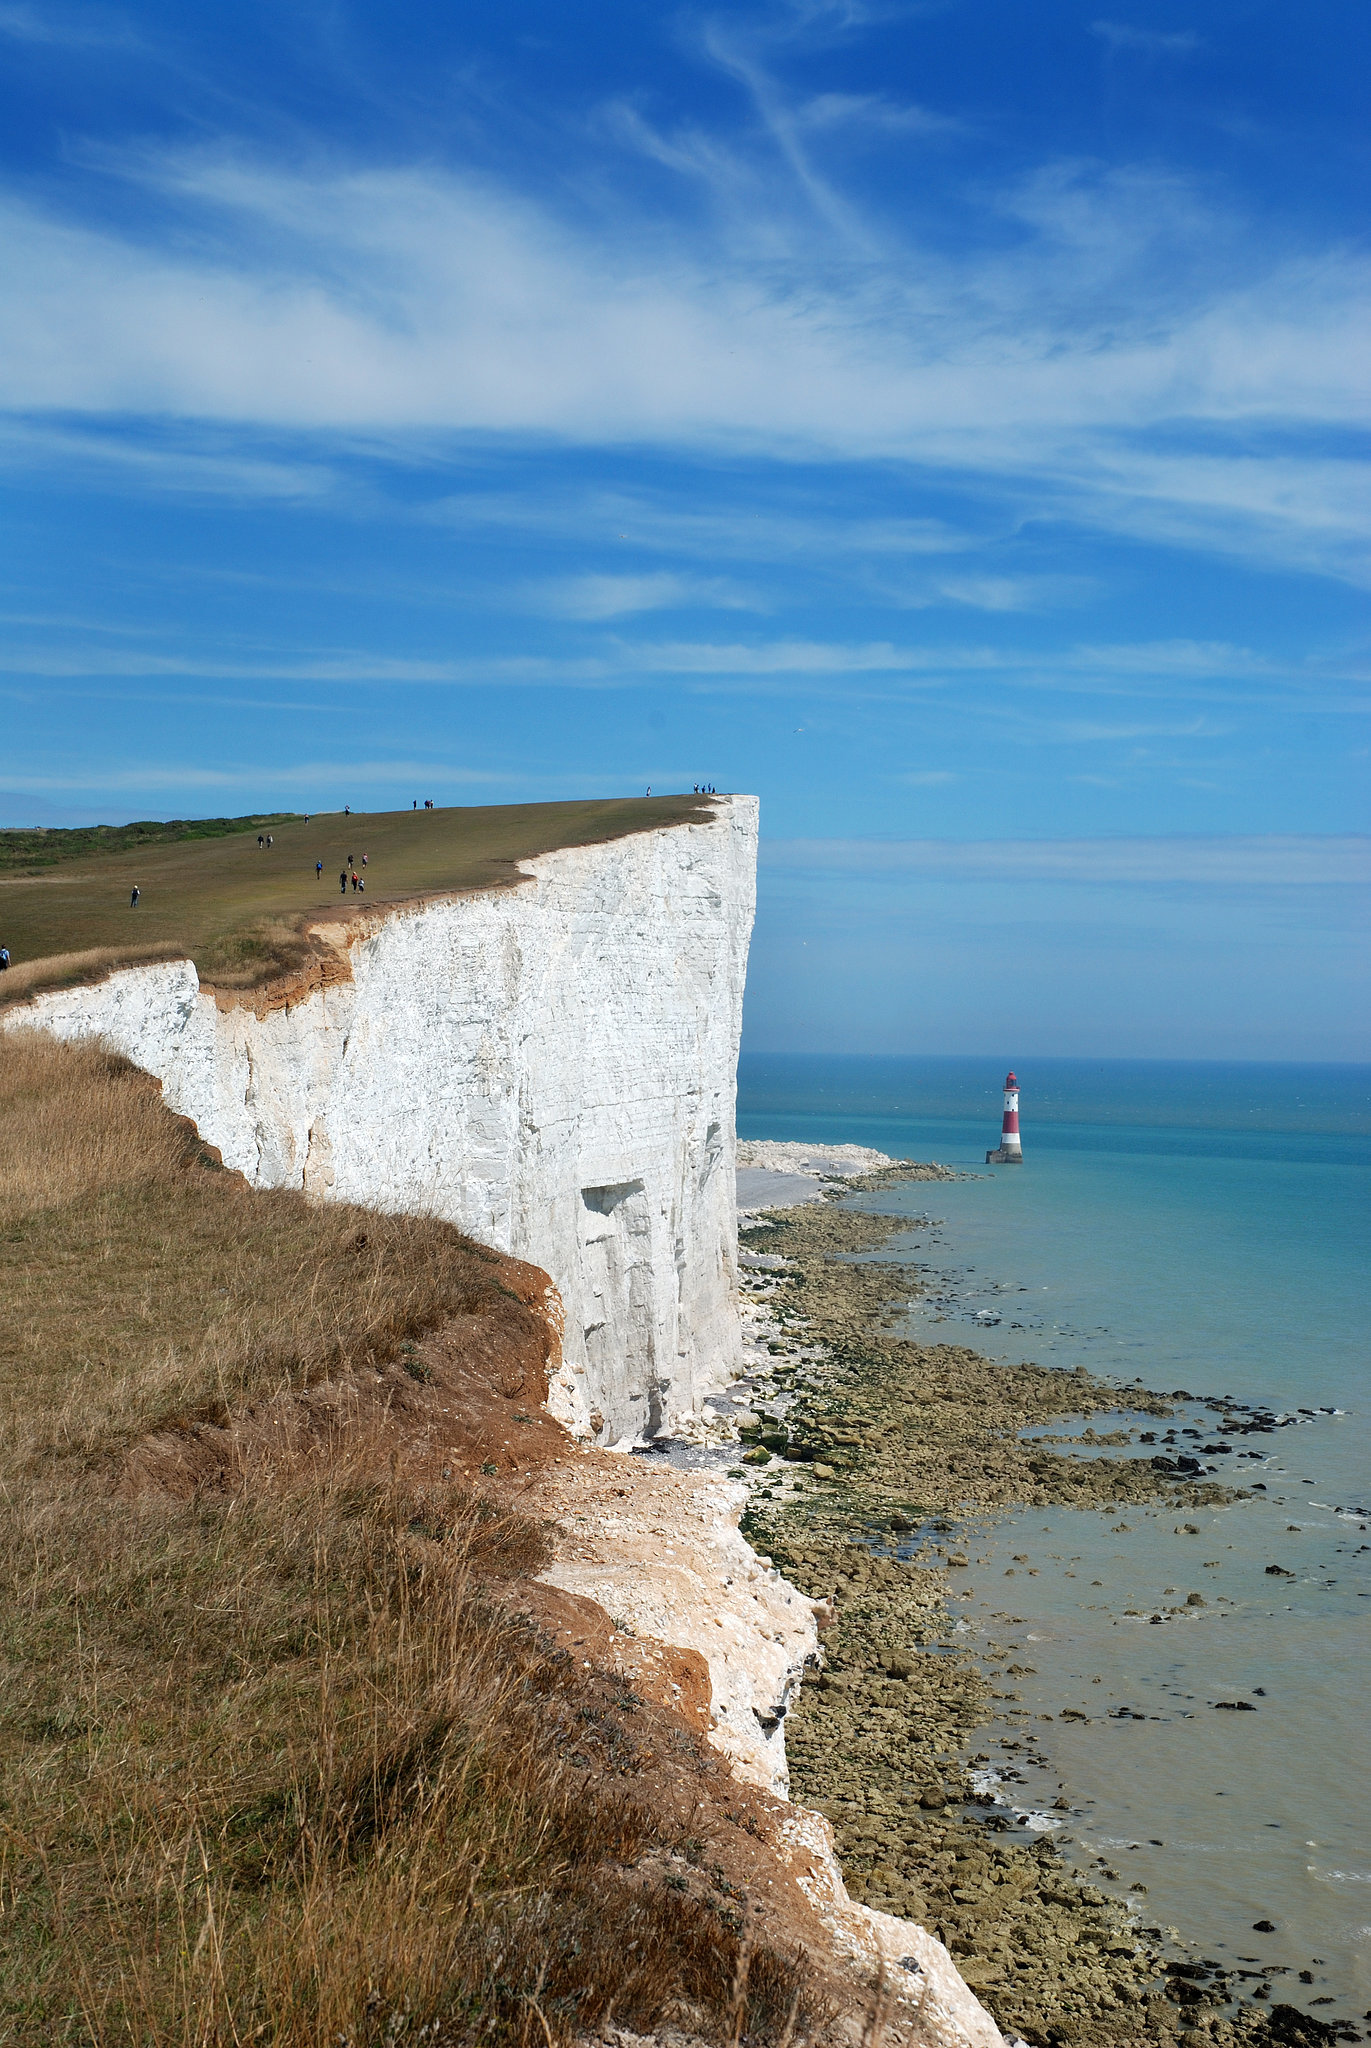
{"x":1076,"y":352}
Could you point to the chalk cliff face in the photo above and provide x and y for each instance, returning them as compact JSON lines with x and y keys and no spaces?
{"x":550,"y":1066}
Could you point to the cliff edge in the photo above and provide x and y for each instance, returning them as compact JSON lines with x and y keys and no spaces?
{"x":549,"y":1066}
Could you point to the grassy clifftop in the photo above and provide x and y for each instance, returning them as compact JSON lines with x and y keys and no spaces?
{"x":240,"y":911}
{"x":30,"y":849}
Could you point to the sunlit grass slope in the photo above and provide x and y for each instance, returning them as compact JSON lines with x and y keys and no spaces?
{"x":282,"y":1759}
{"x":239,"y":910}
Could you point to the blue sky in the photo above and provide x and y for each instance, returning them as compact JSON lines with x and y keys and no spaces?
{"x":948,"y":421}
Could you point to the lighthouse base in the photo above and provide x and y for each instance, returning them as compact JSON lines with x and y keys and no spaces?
{"x":1000,"y":1157}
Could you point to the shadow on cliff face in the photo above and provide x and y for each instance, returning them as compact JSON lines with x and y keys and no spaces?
{"x":296,"y":1748}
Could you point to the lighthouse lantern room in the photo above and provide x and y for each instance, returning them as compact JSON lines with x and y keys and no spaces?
{"x":1010,"y":1151}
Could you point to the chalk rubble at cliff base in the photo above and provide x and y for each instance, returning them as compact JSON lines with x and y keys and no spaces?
{"x":660,"y":1553}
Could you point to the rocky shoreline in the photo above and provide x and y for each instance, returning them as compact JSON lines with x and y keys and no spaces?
{"x":865,"y":1449}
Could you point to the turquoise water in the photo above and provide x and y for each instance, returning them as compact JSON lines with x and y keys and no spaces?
{"x":1204,"y":1229}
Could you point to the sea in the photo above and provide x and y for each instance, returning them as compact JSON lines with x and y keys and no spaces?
{"x":1204,"y":1229}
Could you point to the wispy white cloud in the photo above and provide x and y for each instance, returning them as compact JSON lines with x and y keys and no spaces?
{"x":664,"y":524}
{"x":780,"y":657}
{"x":84,"y":28}
{"x":1174,"y":658}
{"x":342,"y":665}
{"x":1149,"y":42}
{"x":705,"y":160}
{"x":1005,"y":593}
{"x":1303,"y":861}
{"x":1167,"y":668}
{"x":165,"y":463}
{"x":79,"y":622}
{"x":1087,"y":731}
{"x":1147,"y":671}
{"x":597,"y":597}
{"x":415,"y":301}
{"x":300,"y":775}
{"x":1287,"y":510}
{"x":872,"y":112}
{"x":783,"y":122}
{"x":1278,"y":509}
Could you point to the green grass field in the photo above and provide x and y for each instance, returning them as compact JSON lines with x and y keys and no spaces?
{"x":240,"y":911}
{"x":29,"y":849}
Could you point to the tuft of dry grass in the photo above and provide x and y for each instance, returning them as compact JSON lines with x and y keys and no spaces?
{"x":76,"y":1121}
{"x":285,"y":1761}
{"x":78,"y":970}
{"x":258,"y":953}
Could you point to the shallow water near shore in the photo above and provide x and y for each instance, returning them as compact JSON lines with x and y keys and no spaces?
{"x":1201,"y":1229}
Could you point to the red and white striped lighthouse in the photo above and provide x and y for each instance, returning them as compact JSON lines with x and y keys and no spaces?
{"x":1011,"y":1151}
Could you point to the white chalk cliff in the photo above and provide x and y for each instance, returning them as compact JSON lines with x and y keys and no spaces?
{"x":551,"y":1066}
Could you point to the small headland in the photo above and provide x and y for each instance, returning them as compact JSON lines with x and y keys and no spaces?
{"x":870,"y":1455}
{"x":302,"y":1739}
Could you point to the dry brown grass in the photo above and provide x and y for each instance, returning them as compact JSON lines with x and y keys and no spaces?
{"x":290,"y":1771}
{"x":141,"y":1286}
{"x":283,"y":1762}
{"x":78,"y":970}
